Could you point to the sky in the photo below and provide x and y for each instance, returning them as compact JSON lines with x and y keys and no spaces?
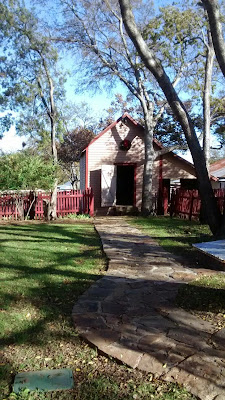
{"x":98,"y":102}
{"x":12,"y":142}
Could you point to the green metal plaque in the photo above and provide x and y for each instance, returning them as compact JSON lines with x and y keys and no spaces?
{"x":46,"y":380}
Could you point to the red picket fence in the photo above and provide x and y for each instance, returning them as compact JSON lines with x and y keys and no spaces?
{"x":74,"y":202}
{"x":15,"y":206}
{"x":187,"y":203}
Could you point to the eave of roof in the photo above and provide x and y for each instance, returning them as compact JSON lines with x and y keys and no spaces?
{"x":111,"y":126}
{"x":218,"y":165}
{"x":220,"y":173}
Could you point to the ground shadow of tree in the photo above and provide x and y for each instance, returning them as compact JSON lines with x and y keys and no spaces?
{"x":43,"y":303}
{"x":140,"y":319}
{"x":54,"y":301}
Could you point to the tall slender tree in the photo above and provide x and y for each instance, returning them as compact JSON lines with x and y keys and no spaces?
{"x":208,"y":71}
{"x":30,"y":81}
{"x":215,"y":22}
{"x":155,"y":66}
{"x":216,"y":31}
{"x":95,"y":28}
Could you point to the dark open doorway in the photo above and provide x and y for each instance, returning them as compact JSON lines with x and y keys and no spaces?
{"x":125,"y":185}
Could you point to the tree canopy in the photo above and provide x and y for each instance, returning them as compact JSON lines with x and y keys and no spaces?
{"x":32,"y":84}
{"x":156,"y":67}
{"x":74,"y":142}
{"x":164,"y":57}
{"x":24,"y":170}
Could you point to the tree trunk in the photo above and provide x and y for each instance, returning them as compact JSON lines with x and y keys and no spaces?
{"x":20,"y":208}
{"x":215,"y":17}
{"x":206,"y":99}
{"x":147,"y":206}
{"x":51,"y":112}
{"x":53,"y":201}
{"x":155,"y":67}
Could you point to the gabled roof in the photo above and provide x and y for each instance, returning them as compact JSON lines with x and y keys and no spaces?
{"x":133,"y":121}
{"x":113,"y":124}
{"x":218,"y":168}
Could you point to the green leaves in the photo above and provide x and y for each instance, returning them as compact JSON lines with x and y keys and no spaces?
{"x":28,"y":64}
{"x":25,"y":171}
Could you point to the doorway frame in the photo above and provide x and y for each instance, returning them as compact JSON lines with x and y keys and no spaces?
{"x":127,"y":164}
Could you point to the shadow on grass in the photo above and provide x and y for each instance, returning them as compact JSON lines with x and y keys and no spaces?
{"x":200,"y":298}
{"x":176,"y":236}
{"x":47,"y":278}
{"x":49,"y":232}
{"x":6,"y":377}
{"x":54,"y":301}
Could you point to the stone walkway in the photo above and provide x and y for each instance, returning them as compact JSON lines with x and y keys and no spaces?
{"x":130,"y":314}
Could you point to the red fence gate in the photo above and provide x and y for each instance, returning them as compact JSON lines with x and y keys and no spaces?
{"x":16,"y":206}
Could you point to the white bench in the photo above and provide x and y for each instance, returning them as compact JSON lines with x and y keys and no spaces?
{"x":215,"y":249}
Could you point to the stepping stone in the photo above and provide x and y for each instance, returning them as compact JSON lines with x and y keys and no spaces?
{"x":130,"y":314}
{"x":46,"y":380}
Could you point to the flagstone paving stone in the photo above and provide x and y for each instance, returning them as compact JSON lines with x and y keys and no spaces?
{"x":130,"y":314}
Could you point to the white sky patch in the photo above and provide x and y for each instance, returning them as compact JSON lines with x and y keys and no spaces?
{"x":187,"y":156}
{"x":11,"y":142}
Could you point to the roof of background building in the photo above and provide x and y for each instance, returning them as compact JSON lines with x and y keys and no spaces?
{"x":218,"y":168}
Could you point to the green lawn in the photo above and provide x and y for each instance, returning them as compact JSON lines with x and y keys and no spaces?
{"x":205,"y":296}
{"x":176,"y":235}
{"x":44,"y":268}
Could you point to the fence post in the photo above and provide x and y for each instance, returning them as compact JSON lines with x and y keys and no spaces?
{"x":16,"y":213}
{"x":223,"y":206}
{"x":176,"y":201}
{"x":191,"y":205}
{"x":84,"y":202}
{"x":165,"y":200}
{"x":172,"y":201}
{"x":91,"y":212}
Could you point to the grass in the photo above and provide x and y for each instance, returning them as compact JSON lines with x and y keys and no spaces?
{"x":43,"y":270}
{"x":176,"y":235}
{"x":205,"y":296}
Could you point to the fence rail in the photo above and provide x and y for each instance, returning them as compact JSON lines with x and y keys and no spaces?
{"x":187,"y":203}
{"x":18,"y":206}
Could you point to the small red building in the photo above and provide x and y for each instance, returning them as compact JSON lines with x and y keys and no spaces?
{"x":112,"y":164}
